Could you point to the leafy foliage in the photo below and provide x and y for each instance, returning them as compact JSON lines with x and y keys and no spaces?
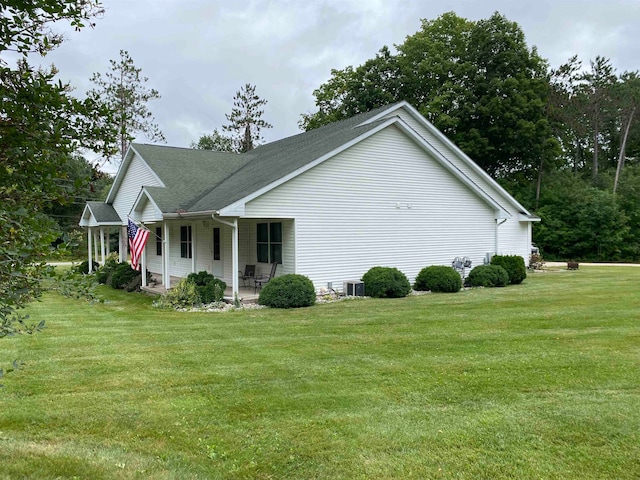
{"x":288,"y":291}
{"x":386,"y":282}
{"x":514,"y":266}
{"x":245,"y":120}
{"x":216,"y":141}
{"x":209,"y":288}
{"x":41,"y":127}
{"x":438,"y":278}
{"x":478,"y":82}
{"x":488,"y":276}
{"x":183,"y":295}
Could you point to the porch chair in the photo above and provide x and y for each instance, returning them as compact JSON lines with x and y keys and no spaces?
{"x":249,"y":274}
{"x":260,"y":280}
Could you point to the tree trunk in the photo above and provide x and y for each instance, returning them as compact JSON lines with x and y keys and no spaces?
{"x":623,"y":146}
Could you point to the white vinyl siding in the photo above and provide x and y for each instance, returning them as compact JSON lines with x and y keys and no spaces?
{"x":138,"y":174}
{"x":380,"y":202}
{"x":514,"y":237}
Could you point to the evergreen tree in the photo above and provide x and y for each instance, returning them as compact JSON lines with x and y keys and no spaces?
{"x":123,"y":89}
{"x":245,"y":120}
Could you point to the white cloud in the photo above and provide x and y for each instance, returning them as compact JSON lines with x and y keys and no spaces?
{"x":197,"y":53}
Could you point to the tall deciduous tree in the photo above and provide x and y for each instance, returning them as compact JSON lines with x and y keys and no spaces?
{"x":41,"y":126}
{"x":216,"y":141}
{"x":478,"y":82}
{"x":245,"y":120}
{"x":123,"y":89}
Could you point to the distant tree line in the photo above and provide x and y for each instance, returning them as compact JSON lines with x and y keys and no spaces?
{"x":564,"y":141}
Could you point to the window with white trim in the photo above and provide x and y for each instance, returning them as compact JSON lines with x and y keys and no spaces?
{"x":186,"y":249}
{"x":269,"y":242}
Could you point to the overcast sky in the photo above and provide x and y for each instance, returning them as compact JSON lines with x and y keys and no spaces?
{"x":198,"y":53}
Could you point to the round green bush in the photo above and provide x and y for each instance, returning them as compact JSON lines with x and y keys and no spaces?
{"x":122,"y":274}
{"x":488,"y":276}
{"x":103,"y":274}
{"x":513,"y":264}
{"x":84,"y":267}
{"x":386,"y":282}
{"x":288,"y":291}
{"x":210,"y":289}
{"x":438,"y":278}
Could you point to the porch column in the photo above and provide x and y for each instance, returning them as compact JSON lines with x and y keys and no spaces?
{"x":143,"y":265}
{"x":194,"y":246}
{"x":108,"y":242}
{"x":234,"y":254}
{"x":234,"y":257}
{"x":90,"y":244}
{"x":102,"y":248}
{"x":166,"y":277}
{"x":122,"y":244}
{"x":95,"y":245}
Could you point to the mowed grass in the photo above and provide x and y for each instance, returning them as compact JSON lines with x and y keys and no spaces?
{"x":540,"y":380}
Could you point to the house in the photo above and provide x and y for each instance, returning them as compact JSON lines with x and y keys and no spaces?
{"x":381,"y":188}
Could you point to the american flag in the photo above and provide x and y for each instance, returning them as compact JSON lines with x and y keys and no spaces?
{"x":137,"y":241}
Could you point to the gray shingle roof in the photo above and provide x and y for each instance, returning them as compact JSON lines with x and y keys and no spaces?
{"x":201,"y":180}
{"x":104,"y":213}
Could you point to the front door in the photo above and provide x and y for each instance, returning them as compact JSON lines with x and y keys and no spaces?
{"x":218,"y":271}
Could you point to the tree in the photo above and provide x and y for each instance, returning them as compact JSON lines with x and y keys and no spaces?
{"x":216,"y":141}
{"x":246,"y":119}
{"x":41,"y":126}
{"x":598,"y":85}
{"x":123,"y":90}
{"x":477,"y":82}
{"x":628,"y":96}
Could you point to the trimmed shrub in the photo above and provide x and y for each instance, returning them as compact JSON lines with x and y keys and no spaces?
{"x":488,"y":276}
{"x":210,"y":289}
{"x":103,"y":274}
{"x":183,"y":295}
{"x":288,"y":291}
{"x":513,"y":264}
{"x":386,"y":282}
{"x":122,"y":274}
{"x":438,"y":278}
{"x":84,"y":267}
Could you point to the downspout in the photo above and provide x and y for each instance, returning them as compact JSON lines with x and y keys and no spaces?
{"x":498,"y":223}
{"x":234,"y":253}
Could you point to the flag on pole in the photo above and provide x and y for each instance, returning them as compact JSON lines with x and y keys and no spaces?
{"x":137,"y":241}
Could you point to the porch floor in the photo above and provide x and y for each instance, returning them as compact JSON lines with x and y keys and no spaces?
{"x":247,"y":294}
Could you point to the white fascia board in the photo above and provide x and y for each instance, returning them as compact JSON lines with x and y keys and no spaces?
{"x":528,"y":218}
{"x":128,"y":158}
{"x":85,"y":219}
{"x":144,"y":195}
{"x":443,"y":138}
{"x":239,"y":206}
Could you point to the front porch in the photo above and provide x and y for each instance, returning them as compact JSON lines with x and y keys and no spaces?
{"x":246,"y":294}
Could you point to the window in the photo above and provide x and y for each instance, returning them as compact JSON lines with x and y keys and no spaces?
{"x":158,"y":240}
{"x":185,"y":242}
{"x":216,"y":243}
{"x":269,"y":242}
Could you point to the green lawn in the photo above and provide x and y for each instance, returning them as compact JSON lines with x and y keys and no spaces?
{"x":539,"y":380}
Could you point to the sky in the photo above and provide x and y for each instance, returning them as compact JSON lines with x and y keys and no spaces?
{"x":198,"y":53}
